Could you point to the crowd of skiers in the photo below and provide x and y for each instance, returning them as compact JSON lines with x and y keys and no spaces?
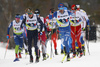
{"x":68,"y":25}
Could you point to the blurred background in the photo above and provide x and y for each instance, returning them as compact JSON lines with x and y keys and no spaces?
{"x":8,"y":9}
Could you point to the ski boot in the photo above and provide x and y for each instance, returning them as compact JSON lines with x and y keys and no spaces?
{"x":20,"y":55}
{"x":16,"y":59}
{"x":47,"y":55}
{"x":74,"y":54}
{"x":83,"y":50}
{"x":62,"y":51}
{"x":56,"y":52}
{"x":31,"y":58}
{"x":68,"y":57}
{"x":77,"y":52}
{"x":37,"y":59}
{"x":71,"y":50}
{"x":26,"y":51}
{"x":39,"y":53}
{"x":44,"y":56}
{"x":65,"y":51}
{"x":81,"y":54}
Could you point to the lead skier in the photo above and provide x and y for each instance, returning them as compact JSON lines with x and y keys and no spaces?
{"x":62,"y":18}
{"x":30,"y":21}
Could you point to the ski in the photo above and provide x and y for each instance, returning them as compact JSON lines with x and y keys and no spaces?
{"x":73,"y":57}
{"x":80,"y":56}
{"x":47,"y":55}
{"x":28,"y":63}
{"x":63,"y":58}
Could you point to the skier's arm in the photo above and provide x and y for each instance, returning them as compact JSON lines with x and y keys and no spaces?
{"x":85,"y":17}
{"x":41,"y":23}
{"x":23,"y":22}
{"x":11,"y":24}
{"x":52,"y":16}
{"x":45,"y":25}
{"x":87,"y":20}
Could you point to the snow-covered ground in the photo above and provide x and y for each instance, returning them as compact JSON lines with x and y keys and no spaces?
{"x":92,"y":60}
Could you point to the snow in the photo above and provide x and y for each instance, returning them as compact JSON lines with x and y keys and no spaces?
{"x":91,"y":60}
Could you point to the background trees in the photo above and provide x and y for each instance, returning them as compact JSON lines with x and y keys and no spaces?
{"x":8,"y":9}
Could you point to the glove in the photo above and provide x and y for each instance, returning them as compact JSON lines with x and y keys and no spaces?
{"x":8,"y":36}
{"x":41,"y":33}
{"x":83,"y":29}
{"x":88,"y":27}
{"x":49,"y":33}
{"x":20,"y":28}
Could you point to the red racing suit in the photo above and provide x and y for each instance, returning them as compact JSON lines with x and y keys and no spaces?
{"x":76,"y":21}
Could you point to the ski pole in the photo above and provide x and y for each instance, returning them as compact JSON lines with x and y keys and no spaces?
{"x":6,"y":48}
{"x":88,"y":43}
{"x":51,"y":40}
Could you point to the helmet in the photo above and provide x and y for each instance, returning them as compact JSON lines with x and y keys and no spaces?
{"x":60,"y":5}
{"x":29,"y":10}
{"x":65,"y":8}
{"x":37,"y":11}
{"x":17,"y":16}
{"x":78,"y":7}
{"x":73,"y":7}
{"x":52,"y":10}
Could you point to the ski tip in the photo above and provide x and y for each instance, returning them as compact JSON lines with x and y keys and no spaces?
{"x":61,"y":61}
{"x":50,"y":58}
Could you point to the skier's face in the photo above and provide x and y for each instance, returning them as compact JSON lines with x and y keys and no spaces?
{"x":30,"y":15}
{"x":38,"y":15}
{"x":61,"y":9}
{"x":17,"y":19}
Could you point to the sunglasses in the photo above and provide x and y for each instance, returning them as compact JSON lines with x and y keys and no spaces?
{"x":29,"y":13}
{"x":17,"y":18}
{"x":60,"y":8}
{"x":37,"y":14}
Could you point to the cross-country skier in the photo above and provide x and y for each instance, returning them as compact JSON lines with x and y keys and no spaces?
{"x":70,"y":40}
{"x":42,"y":38}
{"x":76,"y":21}
{"x":62,"y":18}
{"x":83,"y":25}
{"x":52,"y":29}
{"x":30,"y":21}
{"x":18,"y":36}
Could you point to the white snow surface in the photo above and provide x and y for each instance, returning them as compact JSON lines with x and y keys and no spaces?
{"x":92,"y":60}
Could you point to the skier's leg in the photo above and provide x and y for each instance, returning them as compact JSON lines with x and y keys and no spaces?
{"x":17,"y":45}
{"x":73,"y":40}
{"x":20,"y":45}
{"x":43,"y":39}
{"x":55,"y":43}
{"x":29,"y":36}
{"x":35,"y":36}
{"x":70,"y":44}
{"x":78,"y":39}
{"x":25,"y":45}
